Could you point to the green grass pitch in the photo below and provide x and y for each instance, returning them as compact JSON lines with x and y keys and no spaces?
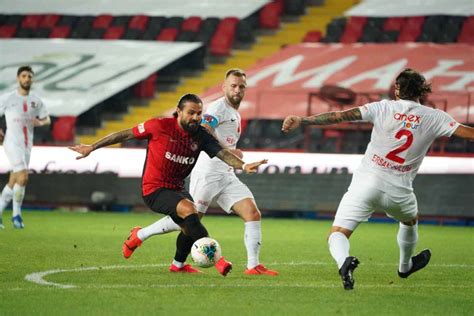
{"x":85,"y":251}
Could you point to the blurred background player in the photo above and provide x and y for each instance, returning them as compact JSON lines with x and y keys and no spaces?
{"x":23,"y":111}
{"x":173,"y":147}
{"x":403,"y":132}
{"x":213,"y":179}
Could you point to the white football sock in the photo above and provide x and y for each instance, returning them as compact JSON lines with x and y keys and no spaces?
{"x":5,"y":198}
{"x":407,"y":238}
{"x":18,"y":195}
{"x":163,"y":226}
{"x":339,"y":247}
{"x":178,"y":264}
{"x":253,"y":241}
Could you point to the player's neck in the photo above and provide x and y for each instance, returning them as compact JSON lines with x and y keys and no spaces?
{"x":23,"y":92}
{"x":230,"y":103}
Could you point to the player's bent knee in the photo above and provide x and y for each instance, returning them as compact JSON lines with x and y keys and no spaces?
{"x":185,"y":208}
{"x":413,"y":222}
{"x":345,"y":231}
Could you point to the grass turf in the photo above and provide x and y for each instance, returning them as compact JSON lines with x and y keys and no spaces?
{"x":88,"y":247}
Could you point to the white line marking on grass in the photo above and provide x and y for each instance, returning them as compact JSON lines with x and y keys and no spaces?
{"x":38,"y":277}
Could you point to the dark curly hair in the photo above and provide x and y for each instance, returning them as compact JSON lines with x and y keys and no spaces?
{"x":412,"y":85}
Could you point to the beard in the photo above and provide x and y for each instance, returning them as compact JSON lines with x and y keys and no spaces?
{"x":25,"y":87}
{"x":190,"y":127}
{"x":235,"y":100}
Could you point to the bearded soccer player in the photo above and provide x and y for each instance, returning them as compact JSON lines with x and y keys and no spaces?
{"x":403,"y":132}
{"x":174,"y":145}
{"x":23,"y":111}
{"x":212,"y":179}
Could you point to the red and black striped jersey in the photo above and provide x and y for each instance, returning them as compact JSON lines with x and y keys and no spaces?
{"x":171,"y":153}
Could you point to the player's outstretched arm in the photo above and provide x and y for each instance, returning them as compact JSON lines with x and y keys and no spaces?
{"x":292,"y":121}
{"x":232,"y":160}
{"x":465,"y":132}
{"x":114,"y":138}
{"x":42,"y":122}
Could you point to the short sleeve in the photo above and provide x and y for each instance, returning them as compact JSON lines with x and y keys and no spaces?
{"x":214,"y":114}
{"x":147,"y":130}
{"x":209,"y":143}
{"x":371,"y":111}
{"x":3,"y":103}
{"x":445,"y":124}
{"x":42,"y":111}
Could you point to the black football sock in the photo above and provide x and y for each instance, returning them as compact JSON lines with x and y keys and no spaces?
{"x":194,"y":231}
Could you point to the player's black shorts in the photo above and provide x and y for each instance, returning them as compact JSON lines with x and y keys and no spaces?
{"x":165,"y":201}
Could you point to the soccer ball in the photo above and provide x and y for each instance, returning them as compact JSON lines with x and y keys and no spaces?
{"x":206,"y":252}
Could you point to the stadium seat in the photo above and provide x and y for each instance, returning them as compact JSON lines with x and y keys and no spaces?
{"x":174,"y":22}
{"x":40,"y":32}
{"x":467,"y":31}
{"x":102,"y":21}
{"x":192,"y":24}
{"x":334,"y":30}
{"x":114,"y":32}
{"x":64,"y":129}
{"x":139,"y":22}
{"x":354,"y":29}
{"x":294,"y":7}
{"x":312,"y":37}
{"x":393,"y":24}
{"x":133,"y":34}
{"x":270,"y":16}
{"x":24,"y":33}
{"x":146,"y":88}
{"x":69,"y":20}
{"x":388,"y":37}
{"x":49,"y":21}
{"x":221,"y":44}
{"x":31,"y":21}
{"x":96,"y":33}
{"x":186,"y":36}
{"x":245,"y":31}
{"x":204,"y":36}
{"x":155,"y":25}
{"x":60,"y":32}
{"x":167,"y":34}
{"x":121,"y":20}
{"x":228,"y":26}
{"x":14,"y":19}
{"x":7,"y":31}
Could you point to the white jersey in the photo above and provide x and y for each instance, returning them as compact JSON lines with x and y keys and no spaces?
{"x":402,"y":135}
{"x":20,"y":111}
{"x":227,"y":130}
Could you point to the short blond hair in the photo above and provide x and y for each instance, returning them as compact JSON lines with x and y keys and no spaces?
{"x":235,"y":72}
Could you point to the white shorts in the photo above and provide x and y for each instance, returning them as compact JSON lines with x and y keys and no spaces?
{"x":367,"y":194}
{"x":224,"y":189}
{"x":19,"y":157}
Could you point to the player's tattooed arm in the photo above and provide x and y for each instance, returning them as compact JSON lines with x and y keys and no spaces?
{"x":333,"y":117}
{"x":234,"y":161}
{"x":292,"y":121}
{"x":114,"y":138}
{"x":111,"y":139}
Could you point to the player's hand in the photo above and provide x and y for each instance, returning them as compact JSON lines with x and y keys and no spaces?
{"x":84,"y":150}
{"x":291,"y":122}
{"x":37,"y":122}
{"x":253,"y":166}
{"x":237,"y":152}
{"x":2,"y":135}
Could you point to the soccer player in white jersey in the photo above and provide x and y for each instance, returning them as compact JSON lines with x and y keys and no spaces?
{"x":213,"y":180}
{"x":403,"y":132}
{"x":23,"y":111}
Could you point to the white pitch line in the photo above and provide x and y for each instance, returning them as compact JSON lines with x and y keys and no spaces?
{"x":38,"y":277}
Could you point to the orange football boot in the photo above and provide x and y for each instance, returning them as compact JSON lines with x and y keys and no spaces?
{"x":187,"y":268}
{"x":259,"y":270}
{"x":223,"y":266}
{"x":131,"y":243}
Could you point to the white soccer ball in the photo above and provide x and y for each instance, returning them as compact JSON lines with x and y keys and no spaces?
{"x":206,"y":252}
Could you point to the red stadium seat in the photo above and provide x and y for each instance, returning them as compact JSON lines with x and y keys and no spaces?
{"x":60,"y":32}
{"x":467,"y":31}
{"x":49,"y":21}
{"x":64,"y":129}
{"x":360,"y":21}
{"x":102,"y":21}
{"x":411,"y":30}
{"x":353,"y":31}
{"x":228,"y":26}
{"x":192,"y":24}
{"x":393,"y":24}
{"x":269,"y":17}
{"x":139,"y":22}
{"x":114,"y":32}
{"x":312,"y":37}
{"x":221,"y":44}
{"x":7,"y":31}
{"x":167,"y":34}
{"x":31,"y":21}
{"x":146,"y":88}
